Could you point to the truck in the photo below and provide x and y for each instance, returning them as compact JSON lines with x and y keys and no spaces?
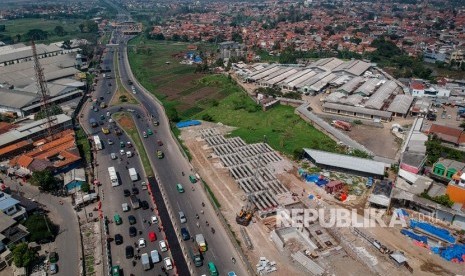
{"x":200,"y":240}
{"x":97,"y":142}
{"x":342,"y":125}
{"x":135,"y":202}
{"x":133,"y":174}
{"x":144,"y":259}
{"x":85,"y":199}
{"x":196,"y":256}
{"x":113,"y":177}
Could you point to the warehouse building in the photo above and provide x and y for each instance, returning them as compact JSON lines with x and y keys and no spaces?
{"x":346,"y":163}
{"x":357,"y":112}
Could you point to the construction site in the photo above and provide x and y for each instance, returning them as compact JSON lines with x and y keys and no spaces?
{"x":252,"y":183}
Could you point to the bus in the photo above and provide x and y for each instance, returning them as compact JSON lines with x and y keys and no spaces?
{"x":113,"y":177}
{"x":98,"y":143}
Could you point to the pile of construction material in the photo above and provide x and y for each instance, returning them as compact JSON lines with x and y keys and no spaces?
{"x":264,"y":266}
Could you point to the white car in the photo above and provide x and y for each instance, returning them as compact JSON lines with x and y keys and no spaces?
{"x":125,"y":207}
{"x":163,"y":246}
{"x":153,"y":219}
{"x":121,"y":152}
{"x":113,"y":156}
{"x":168,"y":263}
{"x":110,"y":142}
{"x":128,"y":153}
{"x":141,"y":243}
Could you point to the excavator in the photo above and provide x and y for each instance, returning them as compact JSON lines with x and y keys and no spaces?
{"x":245,"y":215}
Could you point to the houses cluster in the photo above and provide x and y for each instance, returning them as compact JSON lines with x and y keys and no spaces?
{"x":416,"y":29}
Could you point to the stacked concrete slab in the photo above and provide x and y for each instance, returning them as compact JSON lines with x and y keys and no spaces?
{"x":247,"y":164}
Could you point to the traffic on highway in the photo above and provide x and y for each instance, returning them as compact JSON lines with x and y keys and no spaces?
{"x":162,"y":224}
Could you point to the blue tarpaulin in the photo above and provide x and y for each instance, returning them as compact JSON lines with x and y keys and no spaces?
{"x":456,"y":251}
{"x":414,"y":236}
{"x":188,"y":123}
{"x":433,"y":230}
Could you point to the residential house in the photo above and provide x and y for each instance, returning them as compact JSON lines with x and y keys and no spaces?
{"x":445,"y":169}
{"x":11,"y":232}
{"x":11,"y":207}
{"x":73,"y":179}
{"x":381,"y":194}
{"x":447,"y":134}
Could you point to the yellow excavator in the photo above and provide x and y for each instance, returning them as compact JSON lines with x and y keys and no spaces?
{"x":245,"y":215}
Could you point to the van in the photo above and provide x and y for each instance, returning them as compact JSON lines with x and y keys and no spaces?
{"x":182,"y":217}
{"x":128,"y":153}
{"x":155,"y":256}
{"x":212,"y":269}
{"x":113,"y":156}
{"x":185,"y":234}
{"x":179,"y":188}
{"x":192,"y":179}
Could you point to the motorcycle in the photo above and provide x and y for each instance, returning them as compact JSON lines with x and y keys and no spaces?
{"x":213,"y":230}
{"x":203,"y":204}
{"x":233,"y":260}
{"x":182,"y":173}
{"x":197,"y":216}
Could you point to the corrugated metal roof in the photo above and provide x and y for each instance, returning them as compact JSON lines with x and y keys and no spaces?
{"x":16,"y":99}
{"x":346,"y":162}
{"x":357,"y":109}
{"x":401,"y":104}
{"x":350,"y":85}
{"x":377,"y":100}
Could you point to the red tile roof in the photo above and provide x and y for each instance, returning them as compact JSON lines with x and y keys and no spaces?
{"x":448,"y":134}
{"x":417,"y":85}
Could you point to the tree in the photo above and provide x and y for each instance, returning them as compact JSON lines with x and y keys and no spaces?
{"x":2,"y":28}
{"x":18,"y":37}
{"x":40,"y":228}
{"x":53,"y":110}
{"x":45,"y":180}
{"x":85,"y":187}
{"x":59,"y":30}
{"x":207,"y":117}
{"x":23,"y":256}
{"x":81,"y":27}
{"x":92,"y":27}
{"x":66,"y":44}
{"x":36,"y":34}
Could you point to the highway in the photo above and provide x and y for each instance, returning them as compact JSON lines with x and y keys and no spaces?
{"x":113,"y":197}
{"x":169,"y":171}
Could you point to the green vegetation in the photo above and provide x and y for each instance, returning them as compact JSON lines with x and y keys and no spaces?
{"x":53,"y":110}
{"x":284,"y":130}
{"x":23,"y":256}
{"x":121,"y":95}
{"x":442,"y":199}
{"x":43,"y":30}
{"x":127,"y":124}
{"x":212,"y":195}
{"x":45,"y":180}
{"x":40,"y":228}
{"x":83,"y":145}
{"x":176,"y":85}
{"x":435,"y":150}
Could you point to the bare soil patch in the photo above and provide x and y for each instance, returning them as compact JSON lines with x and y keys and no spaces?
{"x":126,"y":122}
{"x":202,"y":93}
{"x":379,"y":140}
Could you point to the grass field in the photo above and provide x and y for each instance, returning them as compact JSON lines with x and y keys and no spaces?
{"x":22,"y":26}
{"x":284,"y":130}
{"x":127,"y":124}
{"x":219,"y":98}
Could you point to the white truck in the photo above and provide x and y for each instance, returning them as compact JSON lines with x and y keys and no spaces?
{"x":97,"y":142}
{"x":133,"y":174}
{"x":85,"y":199}
{"x":201,"y":242}
{"x":144,"y":259}
{"x":113,"y":176}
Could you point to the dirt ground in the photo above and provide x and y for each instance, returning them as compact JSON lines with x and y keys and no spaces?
{"x":231,"y":199}
{"x":379,"y":140}
{"x":125,"y":122}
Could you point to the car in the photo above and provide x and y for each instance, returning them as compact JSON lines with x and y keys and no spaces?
{"x":115,"y":270}
{"x":110,"y":142}
{"x":121,"y":144}
{"x":131,"y":219}
{"x":180,"y":188}
{"x":182,"y":217}
{"x":143,"y":184}
{"x":117,"y":219}
{"x":53,"y":257}
{"x":53,"y":268}
{"x":101,"y":98}
{"x":129,"y":153}
{"x":126,"y":192}
{"x":159,"y":154}
{"x":128,"y":144}
{"x":109,"y":84}
{"x":125,"y":207}
{"x":152,"y":236}
{"x":135,"y":191}
{"x":141,"y":243}
{"x":153,"y":219}
{"x":102,"y":117}
{"x":144,"y":205}
{"x":101,"y":123}
{"x":121,"y":151}
{"x":144,"y":134}
{"x":149,"y":131}
{"x":118,"y":239}
{"x":155,"y":256}
{"x":163,"y":246}
{"x":132,"y":231}
{"x":168,"y":264}
{"x":113,"y":156}
{"x":160,"y":143}
{"x":185,"y":234}
{"x":137,"y":115}
{"x":95,"y":109}
{"x":129,"y":252}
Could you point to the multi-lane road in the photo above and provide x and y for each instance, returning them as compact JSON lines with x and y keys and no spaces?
{"x":170,"y":170}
